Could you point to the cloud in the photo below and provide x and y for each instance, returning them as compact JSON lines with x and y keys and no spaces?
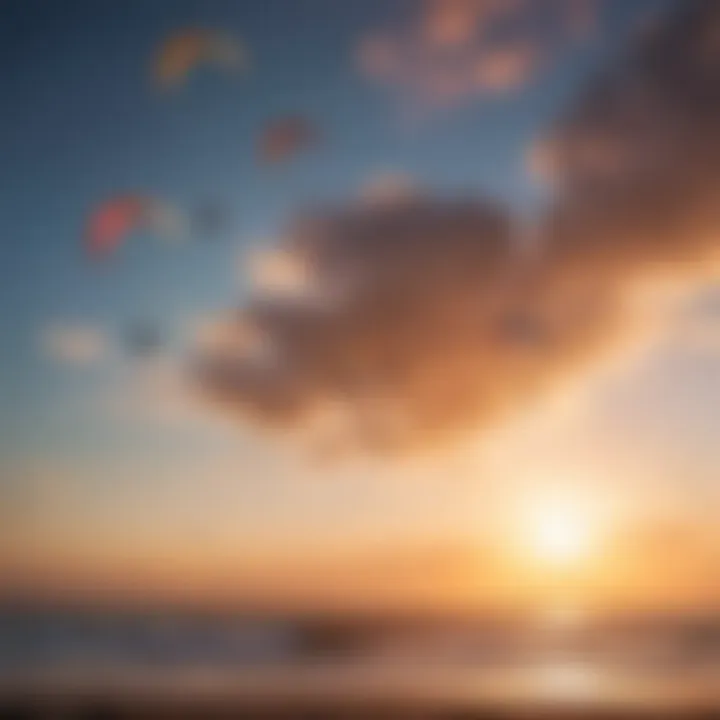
{"x":75,"y":344}
{"x":636,"y":162}
{"x":435,"y":321}
{"x":279,"y":272}
{"x":456,"y":49}
{"x":430,"y":334}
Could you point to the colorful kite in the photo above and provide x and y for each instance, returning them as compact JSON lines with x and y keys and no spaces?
{"x":183,"y":51}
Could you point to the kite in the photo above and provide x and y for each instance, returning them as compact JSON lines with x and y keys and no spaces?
{"x":185,"y":50}
{"x":113,"y":220}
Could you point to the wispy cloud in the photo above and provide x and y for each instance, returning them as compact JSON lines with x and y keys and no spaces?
{"x":452,"y":50}
{"x":74,"y":343}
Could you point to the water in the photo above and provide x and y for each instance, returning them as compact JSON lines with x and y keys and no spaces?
{"x":647,"y":661}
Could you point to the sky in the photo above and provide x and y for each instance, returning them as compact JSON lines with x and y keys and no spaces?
{"x":117,"y":481}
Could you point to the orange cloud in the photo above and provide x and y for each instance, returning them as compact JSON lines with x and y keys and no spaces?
{"x":442,"y":325}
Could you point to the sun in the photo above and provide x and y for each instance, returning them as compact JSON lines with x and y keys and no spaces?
{"x":561,"y":534}
{"x":561,"y":529}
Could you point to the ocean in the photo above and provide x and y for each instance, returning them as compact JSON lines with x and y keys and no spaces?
{"x":633,"y":662}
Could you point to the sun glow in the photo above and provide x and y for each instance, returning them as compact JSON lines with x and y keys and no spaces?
{"x":561,"y":529}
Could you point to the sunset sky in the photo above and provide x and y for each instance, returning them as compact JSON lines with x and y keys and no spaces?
{"x":120,"y":480}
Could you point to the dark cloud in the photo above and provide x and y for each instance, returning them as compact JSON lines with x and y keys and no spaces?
{"x":420,"y":318}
